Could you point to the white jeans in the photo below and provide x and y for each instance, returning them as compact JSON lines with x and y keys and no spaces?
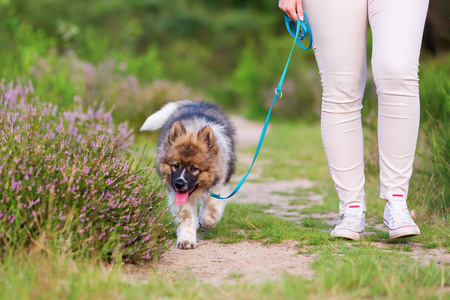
{"x":339,"y":29}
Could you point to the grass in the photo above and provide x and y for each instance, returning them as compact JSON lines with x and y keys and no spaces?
{"x":400,"y":248}
{"x":366,"y":273}
{"x":292,"y":150}
{"x":317,"y":223}
{"x":258,"y":225}
{"x":344,"y":272}
{"x":236,"y":275}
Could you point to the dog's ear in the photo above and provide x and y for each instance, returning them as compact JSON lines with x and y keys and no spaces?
{"x":206,"y":135}
{"x":175,"y":132}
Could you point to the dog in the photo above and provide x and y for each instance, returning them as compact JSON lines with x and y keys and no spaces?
{"x":195,"y":156}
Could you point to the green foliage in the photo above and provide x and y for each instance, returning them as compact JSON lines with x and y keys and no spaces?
{"x":437,"y":174}
{"x":61,"y":78}
{"x":258,"y":72}
{"x":294,"y":150}
{"x":20,"y":46}
{"x":435,"y":89}
{"x":198,"y":43}
{"x":435,"y":111}
{"x":247,"y":82}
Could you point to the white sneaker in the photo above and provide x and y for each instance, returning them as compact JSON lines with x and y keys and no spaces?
{"x":397,"y":219}
{"x":352,"y":226}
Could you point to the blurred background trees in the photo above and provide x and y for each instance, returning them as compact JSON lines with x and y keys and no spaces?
{"x":230,"y":52}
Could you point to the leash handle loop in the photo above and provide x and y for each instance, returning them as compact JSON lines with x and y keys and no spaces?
{"x":304,"y":29}
{"x":299,"y":30}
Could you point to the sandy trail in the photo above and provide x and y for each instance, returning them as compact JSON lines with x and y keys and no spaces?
{"x":248,"y":260}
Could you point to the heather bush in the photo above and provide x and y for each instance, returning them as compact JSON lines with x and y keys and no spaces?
{"x":63,"y":182}
{"x":80,"y":123}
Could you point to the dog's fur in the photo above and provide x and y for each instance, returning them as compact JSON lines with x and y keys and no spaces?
{"x":195,"y":156}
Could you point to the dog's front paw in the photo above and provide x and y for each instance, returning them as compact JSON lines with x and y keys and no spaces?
{"x":186,"y":245}
{"x":210,"y":216}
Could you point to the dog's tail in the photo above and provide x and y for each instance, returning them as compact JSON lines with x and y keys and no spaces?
{"x":159,"y":118}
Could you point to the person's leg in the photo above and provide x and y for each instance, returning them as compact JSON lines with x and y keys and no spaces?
{"x":339,"y":32}
{"x":397,"y":28}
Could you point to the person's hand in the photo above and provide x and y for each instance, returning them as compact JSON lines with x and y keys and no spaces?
{"x":292,"y":8}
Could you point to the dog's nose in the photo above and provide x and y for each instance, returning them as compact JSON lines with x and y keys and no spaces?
{"x":179,"y":183}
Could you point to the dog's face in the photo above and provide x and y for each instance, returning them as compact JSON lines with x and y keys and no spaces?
{"x":190,"y":161}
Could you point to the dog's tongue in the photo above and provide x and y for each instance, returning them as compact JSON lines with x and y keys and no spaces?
{"x":181,"y":198}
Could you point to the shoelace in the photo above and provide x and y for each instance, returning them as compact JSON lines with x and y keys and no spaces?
{"x":351,"y":222}
{"x":402,"y":217}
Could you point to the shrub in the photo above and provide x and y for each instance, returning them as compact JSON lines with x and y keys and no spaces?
{"x":63,"y":182}
{"x":63,"y":77}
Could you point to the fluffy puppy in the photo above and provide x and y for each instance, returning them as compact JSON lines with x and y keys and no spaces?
{"x":195,"y":156}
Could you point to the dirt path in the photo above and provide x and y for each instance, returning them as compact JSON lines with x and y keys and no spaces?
{"x":227,"y":263}
{"x":218,"y":263}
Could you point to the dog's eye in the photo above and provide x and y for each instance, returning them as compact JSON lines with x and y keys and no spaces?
{"x":194,"y":169}
{"x":175,"y":167}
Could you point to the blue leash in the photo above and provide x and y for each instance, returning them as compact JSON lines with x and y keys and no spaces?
{"x":299,"y":30}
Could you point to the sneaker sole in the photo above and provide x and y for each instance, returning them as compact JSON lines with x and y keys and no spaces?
{"x":402,"y":232}
{"x":346,"y":234}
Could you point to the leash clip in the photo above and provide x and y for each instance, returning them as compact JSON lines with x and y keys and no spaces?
{"x":303,"y":30}
{"x":278,"y":93}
